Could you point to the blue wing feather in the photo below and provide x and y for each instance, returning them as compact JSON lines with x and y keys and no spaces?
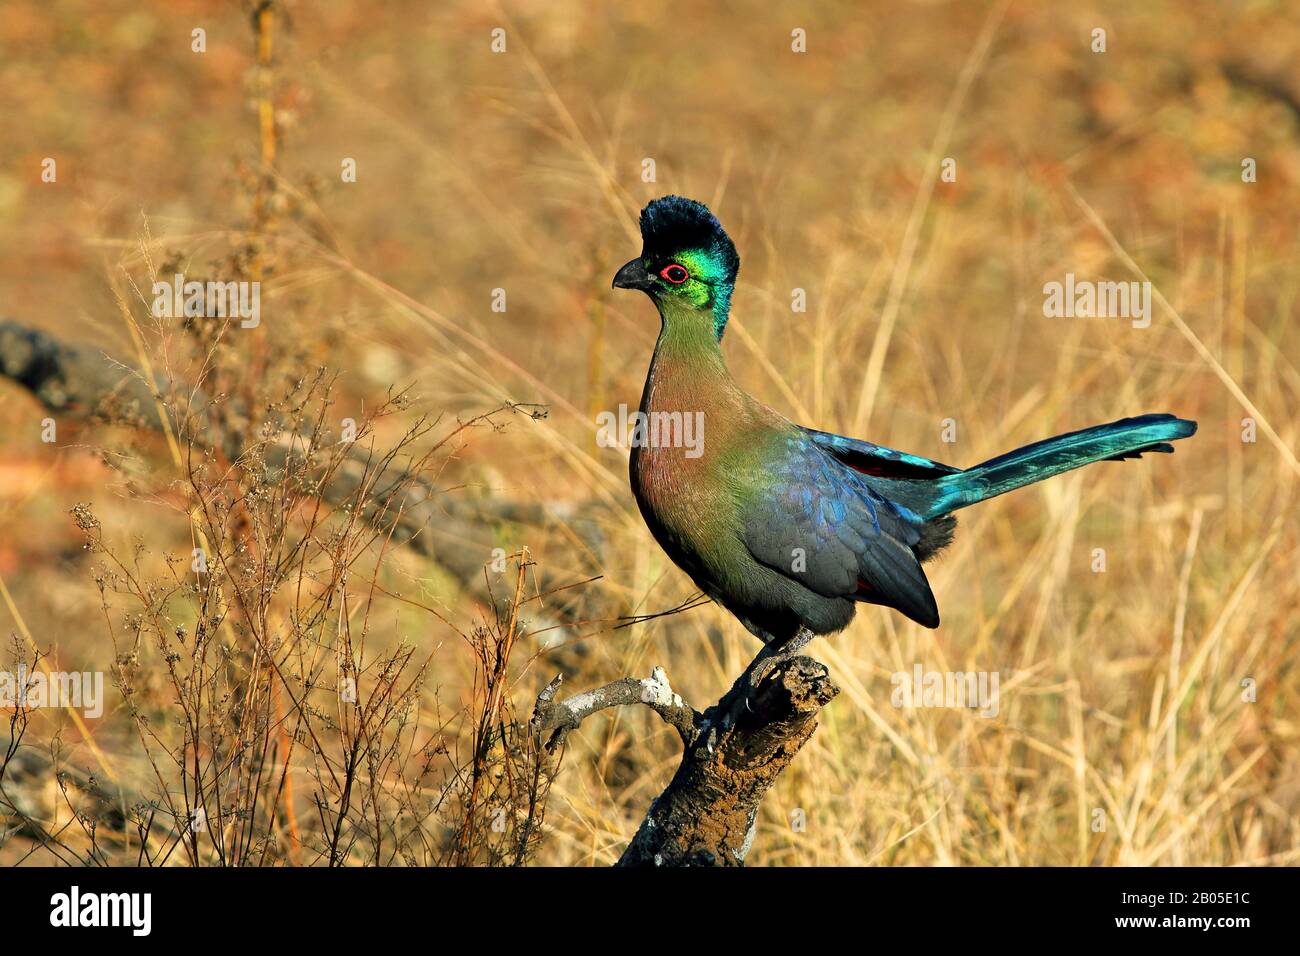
{"x":855,"y":543}
{"x":877,"y":460}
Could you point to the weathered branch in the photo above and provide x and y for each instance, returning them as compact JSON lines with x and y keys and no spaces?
{"x":85,"y":385}
{"x":68,"y":378}
{"x":734,"y":753}
{"x":558,"y":718}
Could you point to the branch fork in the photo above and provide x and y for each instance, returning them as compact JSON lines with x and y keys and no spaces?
{"x":732,"y":753}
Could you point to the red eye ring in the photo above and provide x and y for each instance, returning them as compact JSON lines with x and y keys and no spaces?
{"x":674,"y":273}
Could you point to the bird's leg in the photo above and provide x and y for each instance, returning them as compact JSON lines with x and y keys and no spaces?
{"x":773,"y":655}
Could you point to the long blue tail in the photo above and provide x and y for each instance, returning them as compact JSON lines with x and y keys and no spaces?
{"x":1126,"y":438}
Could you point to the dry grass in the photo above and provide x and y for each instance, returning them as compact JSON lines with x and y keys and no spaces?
{"x":1121,"y":691}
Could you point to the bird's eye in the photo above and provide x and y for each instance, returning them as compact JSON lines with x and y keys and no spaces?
{"x":675,"y":274}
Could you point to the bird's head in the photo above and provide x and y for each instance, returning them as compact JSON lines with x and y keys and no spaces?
{"x":687,"y":262}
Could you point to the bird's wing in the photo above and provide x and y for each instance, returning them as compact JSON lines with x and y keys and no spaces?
{"x":877,"y":460}
{"x":818,"y":523}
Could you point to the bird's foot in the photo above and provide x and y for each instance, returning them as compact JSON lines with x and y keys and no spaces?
{"x":769,"y":660}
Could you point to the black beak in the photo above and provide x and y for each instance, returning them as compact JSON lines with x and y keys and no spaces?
{"x":633,"y":276}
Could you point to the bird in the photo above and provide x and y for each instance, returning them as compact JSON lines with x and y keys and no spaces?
{"x":787,"y":527}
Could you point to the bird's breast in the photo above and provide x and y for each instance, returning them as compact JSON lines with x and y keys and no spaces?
{"x":673,"y":466}
{"x":678,"y":466}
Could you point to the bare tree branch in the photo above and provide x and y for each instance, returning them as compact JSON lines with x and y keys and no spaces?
{"x":68,"y":378}
{"x":734,"y":752}
{"x":560,"y":717}
{"x":458,"y":533}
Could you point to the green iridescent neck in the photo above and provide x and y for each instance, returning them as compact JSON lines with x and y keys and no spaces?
{"x":688,"y":327}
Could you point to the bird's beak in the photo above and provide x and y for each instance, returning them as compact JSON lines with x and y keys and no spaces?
{"x":633,"y":276}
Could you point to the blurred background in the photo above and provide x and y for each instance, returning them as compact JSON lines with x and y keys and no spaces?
{"x":1125,"y":734}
